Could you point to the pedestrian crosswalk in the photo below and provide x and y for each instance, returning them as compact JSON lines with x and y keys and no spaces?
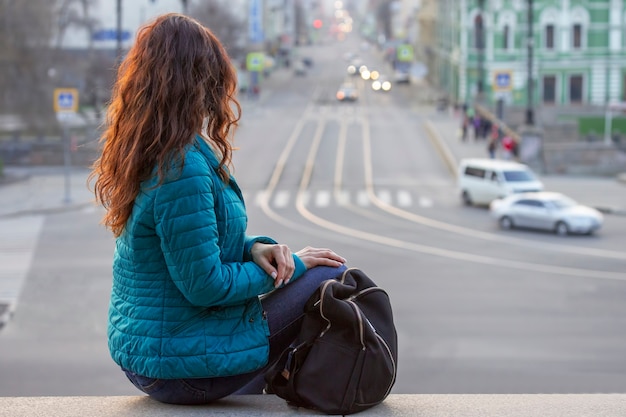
{"x":328,"y":198}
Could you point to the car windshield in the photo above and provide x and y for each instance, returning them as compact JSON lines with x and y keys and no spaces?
{"x":518,"y":176}
{"x":561,"y":203}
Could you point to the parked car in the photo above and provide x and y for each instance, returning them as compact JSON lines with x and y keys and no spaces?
{"x":347,"y":92}
{"x":480,"y":181}
{"x":547,"y":211}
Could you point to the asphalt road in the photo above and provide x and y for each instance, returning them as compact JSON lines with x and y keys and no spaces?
{"x":477,"y":310}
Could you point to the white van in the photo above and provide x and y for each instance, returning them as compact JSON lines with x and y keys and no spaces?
{"x":481,"y":181}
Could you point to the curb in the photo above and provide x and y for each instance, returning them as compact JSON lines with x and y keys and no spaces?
{"x":49,"y":210}
{"x":612,"y":210}
{"x":8,"y":179}
{"x":442,"y":148}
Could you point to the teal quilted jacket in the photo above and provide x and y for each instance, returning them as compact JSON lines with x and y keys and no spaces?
{"x":184,"y":300}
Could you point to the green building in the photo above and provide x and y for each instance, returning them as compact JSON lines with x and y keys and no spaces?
{"x":578,"y":52}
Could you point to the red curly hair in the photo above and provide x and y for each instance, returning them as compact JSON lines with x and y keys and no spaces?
{"x":175,"y":77}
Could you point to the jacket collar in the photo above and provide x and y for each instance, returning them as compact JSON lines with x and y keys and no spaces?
{"x":206,"y":150}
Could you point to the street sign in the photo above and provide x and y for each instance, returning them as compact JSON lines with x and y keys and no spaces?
{"x":65,"y":100}
{"x":503,"y":81}
{"x":404,"y":53}
{"x":255,"y":61}
{"x":109,"y":35}
{"x":255,"y":21}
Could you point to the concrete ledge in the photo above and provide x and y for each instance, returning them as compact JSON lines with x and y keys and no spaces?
{"x":438,"y":405}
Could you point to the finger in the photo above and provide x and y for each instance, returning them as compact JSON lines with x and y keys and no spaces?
{"x":279,"y":259}
{"x":325,"y":262}
{"x":327,"y":253}
{"x":267,"y":267}
{"x":290,"y":270}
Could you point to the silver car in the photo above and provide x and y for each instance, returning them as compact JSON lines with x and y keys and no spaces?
{"x":545,"y":210}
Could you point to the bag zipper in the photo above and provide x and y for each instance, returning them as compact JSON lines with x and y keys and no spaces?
{"x":360,"y":318}
{"x":385,"y":344}
{"x":359,"y":315}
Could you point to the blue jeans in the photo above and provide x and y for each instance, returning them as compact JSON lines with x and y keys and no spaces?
{"x":284,"y":310}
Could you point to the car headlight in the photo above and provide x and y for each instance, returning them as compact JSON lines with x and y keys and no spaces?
{"x":386,"y":86}
{"x":376,"y":85}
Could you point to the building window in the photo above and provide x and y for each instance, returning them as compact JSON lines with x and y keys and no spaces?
{"x":479,"y":33}
{"x":549,"y":36}
{"x":549,"y":89}
{"x":577,"y":36}
{"x":506,"y":32}
{"x":576,"y":89}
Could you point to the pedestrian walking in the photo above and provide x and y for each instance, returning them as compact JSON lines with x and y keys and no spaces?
{"x":485,"y":128}
{"x":507,"y":146}
{"x":476,"y":125}
{"x":491,"y":148}
{"x":464,"y":127}
{"x":199,"y":309}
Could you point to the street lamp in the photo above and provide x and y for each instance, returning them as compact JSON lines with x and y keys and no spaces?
{"x":479,"y":27}
{"x":530,"y":147}
{"x":529,"y":82}
{"x":119,"y":30}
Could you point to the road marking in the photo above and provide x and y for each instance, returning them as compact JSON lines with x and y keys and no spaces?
{"x":282,"y":199}
{"x":425,"y":202}
{"x":404,"y":198}
{"x":384,"y":195}
{"x":362,"y":199}
{"x":322,"y":199}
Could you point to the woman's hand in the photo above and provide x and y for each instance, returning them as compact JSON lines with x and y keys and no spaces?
{"x":318,"y":256}
{"x":275,"y":259}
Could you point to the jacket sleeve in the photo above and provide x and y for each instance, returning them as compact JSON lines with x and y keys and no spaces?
{"x":187,"y":226}
{"x":247,"y":255}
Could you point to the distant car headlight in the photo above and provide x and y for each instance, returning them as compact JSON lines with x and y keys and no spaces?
{"x":374,"y":75}
{"x":365,"y":75}
{"x":376,"y":85}
{"x":386,"y":86}
{"x":340,"y":95}
{"x":351,"y":70}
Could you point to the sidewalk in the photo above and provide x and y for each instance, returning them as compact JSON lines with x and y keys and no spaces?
{"x":41,"y":190}
{"x":607,"y":194}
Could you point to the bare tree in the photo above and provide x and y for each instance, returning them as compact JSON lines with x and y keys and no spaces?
{"x":74,"y":13}
{"x":31,"y":57}
{"x":218,"y":16}
{"x":24,"y":47}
